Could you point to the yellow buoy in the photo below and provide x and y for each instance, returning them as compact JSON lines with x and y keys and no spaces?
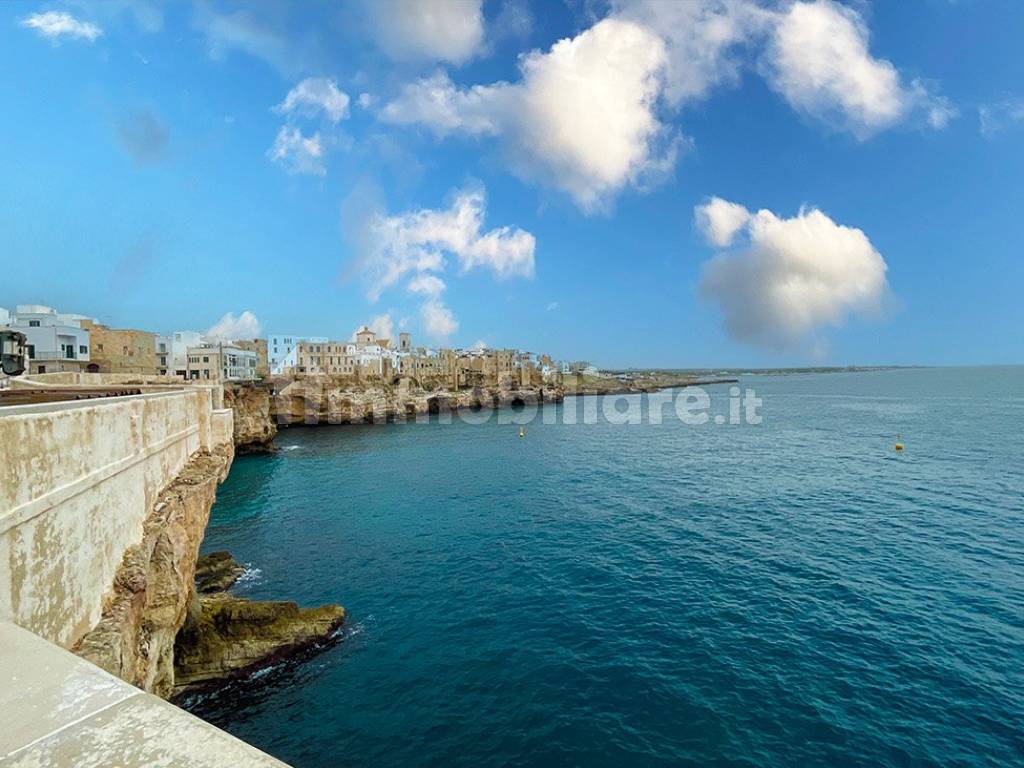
{"x":522,"y":432}
{"x":899,"y":442}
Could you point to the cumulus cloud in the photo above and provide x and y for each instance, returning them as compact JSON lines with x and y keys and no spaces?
{"x":296,"y":153}
{"x":418,"y":242}
{"x":581,"y":118}
{"x":998,"y":116}
{"x":54,"y":25}
{"x":428,"y":30}
{"x":444,"y":108}
{"x":792,"y":277}
{"x":719,"y":220}
{"x":585,"y":116}
{"x":313,"y":96}
{"x":382,"y":326}
{"x":231,"y":328}
{"x":143,"y":136}
{"x":703,"y":39}
{"x":818,"y":60}
{"x":438,"y":320}
{"x":426,"y":285}
{"x":418,"y":246}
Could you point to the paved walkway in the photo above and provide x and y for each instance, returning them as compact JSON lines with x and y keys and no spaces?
{"x":59,"y":710}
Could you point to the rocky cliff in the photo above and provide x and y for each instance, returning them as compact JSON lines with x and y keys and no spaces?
{"x":322,"y":400}
{"x":153,"y":588}
{"x":254,"y":427}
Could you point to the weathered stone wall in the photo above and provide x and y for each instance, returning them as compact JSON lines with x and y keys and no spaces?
{"x":78,"y":481}
{"x":91,"y":379}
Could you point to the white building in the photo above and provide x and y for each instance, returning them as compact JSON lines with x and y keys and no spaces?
{"x":172,"y":352}
{"x":55,"y":341}
{"x":281,"y":350}
{"x":221,"y":362}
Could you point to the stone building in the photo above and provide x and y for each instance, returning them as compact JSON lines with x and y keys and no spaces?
{"x":331,"y":358}
{"x":121,"y":350}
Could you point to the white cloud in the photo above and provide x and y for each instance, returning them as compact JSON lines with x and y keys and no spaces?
{"x":428,"y":30}
{"x":56,"y":24}
{"x":444,"y":108}
{"x":231,"y":328}
{"x":438,"y":320}
{"x":794,"y":277}
{"x":382,"y":326}
{"x":245,"y":31}
{"x":417,"y":242}
{"x":995,"y":117}
{"x":479,"y":345}
{"x":702,"y":39}
{"x":719,"y":220}
{"x":552,"y":306}
{"x":582,"y":118}
{"x":298,"y":153}
{"x":366,"y":100}
{"x":818,"y":60}
{"x":426,"y":285}
{"x":313,"y":95}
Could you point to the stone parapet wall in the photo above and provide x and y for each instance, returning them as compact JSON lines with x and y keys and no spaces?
{"x":78,"y":480}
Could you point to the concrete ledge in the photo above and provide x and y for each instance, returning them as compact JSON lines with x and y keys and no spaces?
{"x":59,"y":710}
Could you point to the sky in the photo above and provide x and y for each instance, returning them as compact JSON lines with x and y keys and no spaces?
{"x":651,"y":184}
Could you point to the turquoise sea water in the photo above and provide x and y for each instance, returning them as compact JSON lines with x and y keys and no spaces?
{"x":789,"y":594}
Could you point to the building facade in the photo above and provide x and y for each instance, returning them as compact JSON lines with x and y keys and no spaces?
{"x":221,"y":362}
{"x":55,"y":341}
{"x":281,"y":356}
{"x":259,"y":346}
{"x":172,"y":352}
{"x":121,"y":350}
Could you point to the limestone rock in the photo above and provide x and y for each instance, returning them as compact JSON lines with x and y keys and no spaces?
{"x":254,"y":428}
{"x":335,"y":400}
{"x":228,"y":636}
{"x":217,"y":571}
{"x":153,"y":587}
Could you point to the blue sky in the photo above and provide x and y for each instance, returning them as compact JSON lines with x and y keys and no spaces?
{"x":666,"y":184}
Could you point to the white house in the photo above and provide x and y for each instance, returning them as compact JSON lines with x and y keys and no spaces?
{"x":172,"y":352}
{"x":281,"y":350}
{"x":55,"y":341}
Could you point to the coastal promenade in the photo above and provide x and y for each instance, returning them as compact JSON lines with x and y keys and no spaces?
{"x":59,"y":710}
{"x":103,"y":505}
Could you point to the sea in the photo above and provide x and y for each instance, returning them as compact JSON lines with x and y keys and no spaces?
{"x":783,"y":590}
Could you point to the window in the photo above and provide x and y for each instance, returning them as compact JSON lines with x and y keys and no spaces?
{"x":83,"y":349}
{"x":206,"y":359}
{"x":33,"y":323}
{"x":31,"y":348}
